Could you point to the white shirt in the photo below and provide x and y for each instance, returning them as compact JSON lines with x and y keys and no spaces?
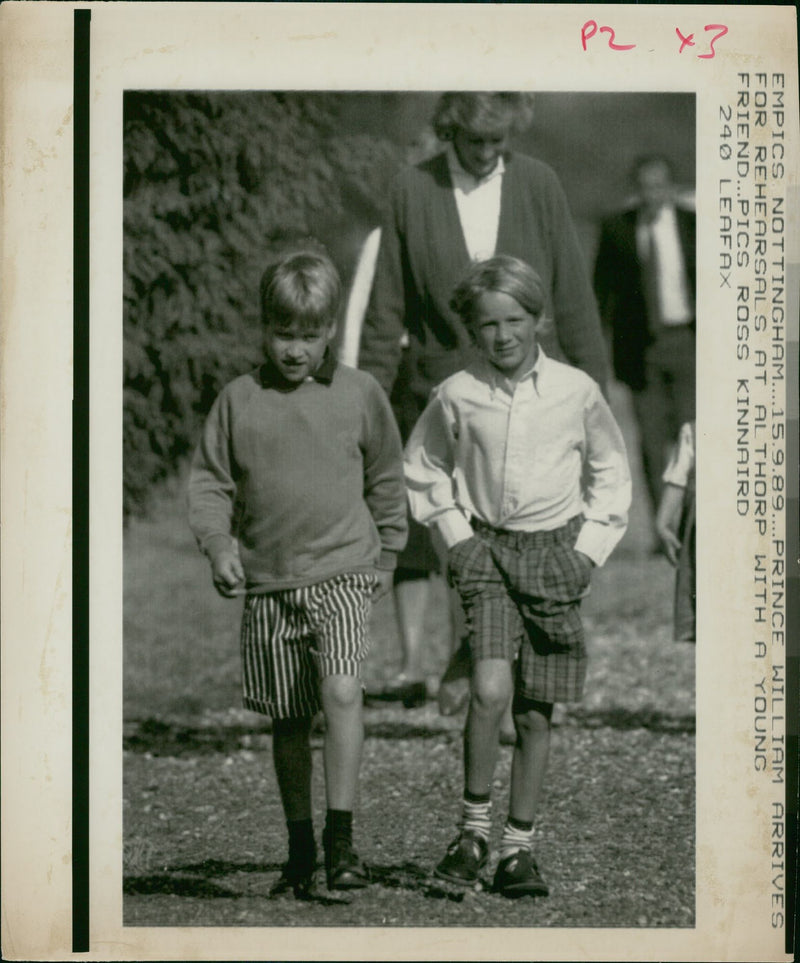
{"x":358,"y":298}
{"x":478,"y":203}
{"x":524,"y":458}
{"x":659,"y":239}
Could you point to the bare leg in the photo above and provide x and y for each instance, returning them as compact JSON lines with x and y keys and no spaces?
{"x":344,"y":738}
{"x":491,"y":690}
{"x":529,"y":763}
{"x":454,"y":685}
{"x":455,"y":682}
{"x":411,"y":598}
{"x":291,"y":753}
{"x":508,"y":728}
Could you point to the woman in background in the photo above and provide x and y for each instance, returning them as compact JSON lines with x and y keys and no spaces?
{"x":472,"y":200}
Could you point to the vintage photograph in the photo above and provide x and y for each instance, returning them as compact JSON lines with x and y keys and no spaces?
{"x":399,"y":481}
{"x":408,"y":459}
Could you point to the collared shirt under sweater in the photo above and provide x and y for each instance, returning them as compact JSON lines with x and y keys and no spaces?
{"x":308,"y":478}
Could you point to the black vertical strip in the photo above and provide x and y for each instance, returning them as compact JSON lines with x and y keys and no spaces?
{"x":80,"y":488}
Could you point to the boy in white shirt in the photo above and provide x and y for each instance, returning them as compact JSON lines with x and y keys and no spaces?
{"x":518,"y":462}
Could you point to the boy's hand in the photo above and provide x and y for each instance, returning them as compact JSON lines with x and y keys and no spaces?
{"x":670,"y":543}
{"x":228,"y":574}
{"x":385,"y":580}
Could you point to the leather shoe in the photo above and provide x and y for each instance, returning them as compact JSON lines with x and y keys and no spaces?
{"x":466,"y":857}
{"x":297,"y":878}
{"x":344,"y":869}
{"x":518,"y":875}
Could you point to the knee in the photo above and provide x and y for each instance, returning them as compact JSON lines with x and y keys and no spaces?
{"x":341,"y":693}
{"x":491,"y":695}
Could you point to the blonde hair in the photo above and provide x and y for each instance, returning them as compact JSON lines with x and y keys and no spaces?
{"x":302,"y":286}
{"x":465,"y":110}
{"x":505,"y":274}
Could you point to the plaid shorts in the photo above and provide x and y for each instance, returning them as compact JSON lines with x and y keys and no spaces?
{"x":521,"y":594}
{"x":292,"y":638}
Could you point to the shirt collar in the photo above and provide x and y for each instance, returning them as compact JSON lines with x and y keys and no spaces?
{"x":535,"y":373}
{"x":464,"y":179}
{"x":272,"y":378}
{"x":664,"y":215}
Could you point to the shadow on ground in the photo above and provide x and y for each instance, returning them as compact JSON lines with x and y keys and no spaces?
{"x":162,"y":737}
{"x":221,"y":879}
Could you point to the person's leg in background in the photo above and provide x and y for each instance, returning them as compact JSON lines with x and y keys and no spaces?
{"x":665,"y":403}
{"x":682,"y":379}
{"x":652,"y":409}
{"x":412,"y":592}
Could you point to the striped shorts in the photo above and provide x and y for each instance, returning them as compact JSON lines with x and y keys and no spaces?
{"x":293,"y":638}
{"x":521,"y":595}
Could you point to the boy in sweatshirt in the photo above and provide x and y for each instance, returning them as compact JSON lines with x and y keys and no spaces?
{"x":300,"y":461}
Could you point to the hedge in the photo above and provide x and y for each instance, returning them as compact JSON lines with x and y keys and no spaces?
{"x":214,"y":185}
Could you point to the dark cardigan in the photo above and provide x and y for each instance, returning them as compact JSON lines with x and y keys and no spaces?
{"x":423,"y":256}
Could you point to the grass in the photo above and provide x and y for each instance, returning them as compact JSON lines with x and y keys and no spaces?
{"x":204,"y":833}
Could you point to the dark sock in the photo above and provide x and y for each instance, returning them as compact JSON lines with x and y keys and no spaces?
{"x":302,"y":848}
{"x":523,"y":825}
{"x":474,"y":797}
{"x":338,"y":828}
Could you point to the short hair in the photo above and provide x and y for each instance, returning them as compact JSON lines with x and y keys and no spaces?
{"x":302,"y":286}
{"x":465,"y":110}
{"x":508,"y":275}
{"x":650,"y":160}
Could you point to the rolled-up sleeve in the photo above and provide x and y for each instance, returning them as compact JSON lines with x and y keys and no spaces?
{"x":606,"y":482}
{"x":428,"y":465}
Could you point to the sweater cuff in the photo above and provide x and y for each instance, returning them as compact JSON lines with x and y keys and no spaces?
{"x":387,"y":561}
{"x":214,"y":545}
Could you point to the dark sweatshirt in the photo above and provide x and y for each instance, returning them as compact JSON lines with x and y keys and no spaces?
{"x":309,"y":479}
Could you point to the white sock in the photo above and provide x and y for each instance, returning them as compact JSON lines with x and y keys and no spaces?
{"x":514,"y":839}
{"x":477,"y":818}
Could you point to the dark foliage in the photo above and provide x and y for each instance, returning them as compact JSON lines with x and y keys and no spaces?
{"x":215,"y":184}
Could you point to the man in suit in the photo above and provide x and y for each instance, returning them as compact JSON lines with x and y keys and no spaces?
{"x":645,"y":285}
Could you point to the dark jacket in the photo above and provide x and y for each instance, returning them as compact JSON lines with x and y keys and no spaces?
{"x":619,"y":286}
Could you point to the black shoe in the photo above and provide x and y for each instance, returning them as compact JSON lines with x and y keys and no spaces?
{"x":299,"y":878}
{"x":344,"y":868}
{"x":518,"y":875}
{"x":466,"y":857}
